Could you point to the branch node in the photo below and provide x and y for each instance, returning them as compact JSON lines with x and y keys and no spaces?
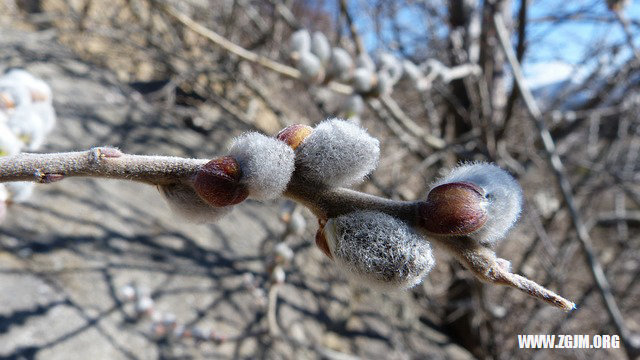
{"x":47,"y":178}
{"x":98,"y":153}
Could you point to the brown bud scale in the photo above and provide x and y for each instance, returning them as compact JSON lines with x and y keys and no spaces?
{"x":321,"y":240}
{"x":218,"y":182}
{"x":294,"y":135}
{"x":453,"y":209}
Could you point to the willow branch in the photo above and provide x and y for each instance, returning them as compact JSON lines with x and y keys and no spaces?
{"x":324,"y":201}
{"x":486,"y":266}
{"x":97,"y":162}
{"x":332,"y":202}
{"x":104,"y":162}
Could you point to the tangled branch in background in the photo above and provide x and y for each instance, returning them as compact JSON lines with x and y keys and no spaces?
{"x":384,"y":242}
{"x":319,"y":63}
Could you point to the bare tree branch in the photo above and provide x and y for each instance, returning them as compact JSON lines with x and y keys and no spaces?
{"x":565,"y":186}
{"x":352,"y":28}
{"x":97,"y":162}
{"x":626,"y":27}
{"x":240,"y":51}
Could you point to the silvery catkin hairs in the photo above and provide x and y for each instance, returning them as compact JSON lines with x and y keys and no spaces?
{"x":266,"y":164}
{"x":503,"y":194}
{"x":186,"y":203}
{"x":378,"y":249}
{"x":337,"y":153}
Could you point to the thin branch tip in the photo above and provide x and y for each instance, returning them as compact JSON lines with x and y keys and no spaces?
{"x":535,"y":290}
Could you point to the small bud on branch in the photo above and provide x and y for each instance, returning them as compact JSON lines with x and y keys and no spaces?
{"x":454,"y":209}
{"x":218,"y":182}
{"x":294,"y":135}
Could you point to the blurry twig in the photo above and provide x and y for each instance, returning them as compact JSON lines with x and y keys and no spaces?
{"x":352,"y":28}
{"x":231,"y":109}
{"x":286,"y":14}
{"x":415,"y":129}
{"x":288,"y":71}
{"x":390,"y":121}
{"x":226,"y":44}
{"x":262,"y":93}
{"x":272,"y":320}
{"x":624,"y":22}
{"x":520,"y":48}
{"x":631,"y":346}
{"x":239,"y":50}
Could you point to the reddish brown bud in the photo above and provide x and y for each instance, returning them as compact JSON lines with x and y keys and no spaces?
{"x":453,"y":209}
{"x":321,"y":240}
{"x":218,"y":182}
{"x":294,"y":135}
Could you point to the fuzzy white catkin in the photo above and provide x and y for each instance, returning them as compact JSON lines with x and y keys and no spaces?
{"x":353,"y":106}
{"x":20,"y":192}
{"x":47,"y":115}
{"x":363,"y":80}
{"x":266,"y":164}
{"x":33,"y":116}
{"x":278,"y":276}
{"x":186,"y":203}
{"x":39,"y":89}
{"x":365,"y":61}
{"x":320,"y":47}
{"x":28,"y":126}
{"x":17,"y":92}
{"x":283,"y":251}
{"x":390,"y":65}
{"x":297,"y":224}
{"x":341,"y":64}
{"x":310,"y":68}
{"x":378,"y":249}
{"x":9,"y":143}
{"x":502,"y":191}
{"x":385,"y":83}
{"x":299,"y":42}
{"x":337,"y":153}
